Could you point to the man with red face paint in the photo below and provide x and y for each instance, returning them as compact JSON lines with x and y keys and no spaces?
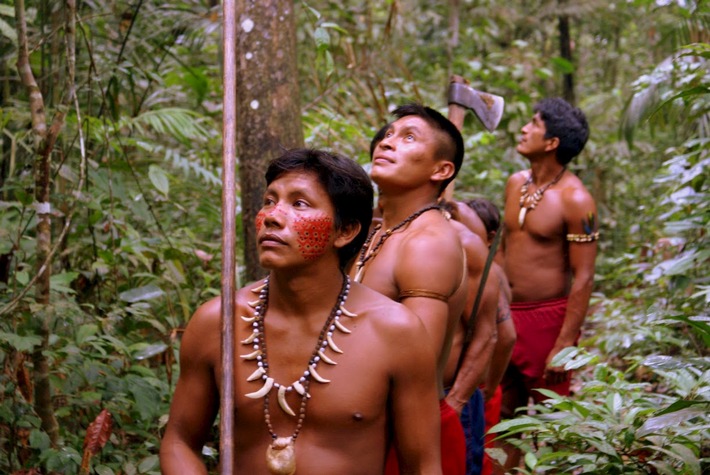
{"x":414,"y":255}
{"x":328,"y":372}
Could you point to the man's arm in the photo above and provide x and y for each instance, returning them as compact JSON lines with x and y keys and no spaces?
{"x":196,"y":400}
{"x":431,"y":262}
{"x":479,"y":352}
{"x":415,"y":408}
{"x":581,"y":219}
{"x":504,"y":346}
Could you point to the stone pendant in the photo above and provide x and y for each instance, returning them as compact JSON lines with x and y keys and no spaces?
{"x":521,"y":216}
{"x":281,"y":456}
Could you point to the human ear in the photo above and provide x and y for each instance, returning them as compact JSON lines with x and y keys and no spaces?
{"x":346,"y":234}
{"x":443,"y":170}
{"x":552,"y":144}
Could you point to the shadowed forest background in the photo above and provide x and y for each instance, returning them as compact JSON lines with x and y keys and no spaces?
{"x":110,"y":194}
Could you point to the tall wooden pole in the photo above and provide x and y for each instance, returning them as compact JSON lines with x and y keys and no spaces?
{"x":229,"y":204}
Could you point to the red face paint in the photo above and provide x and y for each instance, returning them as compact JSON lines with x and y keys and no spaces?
{"x":313,"y":235}
{"x":260,"y":216}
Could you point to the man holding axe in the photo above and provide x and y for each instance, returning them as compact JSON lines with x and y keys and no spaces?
{"x":476,"y":333}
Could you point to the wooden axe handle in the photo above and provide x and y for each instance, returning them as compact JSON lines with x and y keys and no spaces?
{"x":456,"y":111}
{"x":456,"y":116}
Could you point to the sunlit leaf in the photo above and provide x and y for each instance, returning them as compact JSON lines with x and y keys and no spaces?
{"x":148,"y":292}
{"x":658,"y":423}
{"x":159,"y":179}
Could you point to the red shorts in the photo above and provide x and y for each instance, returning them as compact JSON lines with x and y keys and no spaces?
{"x":538,"y":325}
{"x":491,"y":417}
{"x":453,"y":445}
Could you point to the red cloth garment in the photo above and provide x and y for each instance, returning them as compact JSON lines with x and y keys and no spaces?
{"x":453,"y":445}
{"x":538,"y":325}
{"x":492,"y":417}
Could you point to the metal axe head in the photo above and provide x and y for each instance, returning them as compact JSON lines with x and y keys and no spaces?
{"x":487,"y":107}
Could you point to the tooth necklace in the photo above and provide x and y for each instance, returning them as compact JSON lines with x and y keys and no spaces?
{"x":281,"y":455}
{"x":529,"y":202}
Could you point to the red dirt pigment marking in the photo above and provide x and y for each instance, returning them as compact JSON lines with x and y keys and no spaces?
{"x":313,"y":235}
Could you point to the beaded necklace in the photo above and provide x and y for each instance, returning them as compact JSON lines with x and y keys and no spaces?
{"x":529,"y":202}
{"x":280,"y":455}
{"x":367,"y":253}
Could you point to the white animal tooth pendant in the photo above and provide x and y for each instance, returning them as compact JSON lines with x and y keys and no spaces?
{"x":521,"y":216}
{"x":281,"y":456}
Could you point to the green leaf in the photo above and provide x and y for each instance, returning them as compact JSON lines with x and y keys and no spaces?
{"x":334,"y":26}
{"x":322,"y":38}
{"x":147,"y":292}
{"x":86,"y":331}
{"x":659,"y":423}
{"x":159,"y":179}
{"x":530,"y":460}
{"x":61,"y":282}
{"x":562,"y":65}
{"x":147,"y":464}
{"x":19,"y":342}
{"x":7,"y":10}
{"x":147,"y":351}
{"x":104,"y":470}
{"x":689,"y":458}
{"x":565,"y":355}
{"x":8,"y":31}
{"x":681,"y":404}
{"x":39,"y":440}
{"x":517,"y":423}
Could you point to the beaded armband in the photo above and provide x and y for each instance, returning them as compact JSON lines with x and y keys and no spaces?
{"x":583,"y":237}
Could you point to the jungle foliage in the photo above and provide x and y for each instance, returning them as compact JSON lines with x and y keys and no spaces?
{"x":130,"y":138}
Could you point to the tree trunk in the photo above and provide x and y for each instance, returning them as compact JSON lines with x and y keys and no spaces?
{"x":453,"y":42}
{"x":566,"y":53}
{"x":43,"y":146}
{"x":268,"y":106}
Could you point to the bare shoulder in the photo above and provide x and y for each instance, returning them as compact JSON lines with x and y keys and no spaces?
{"x":434,"y":236}
{"x":580,"y":210}
{"x":517,"y":178}
{"x":205,"y":317}
{"x":474,"y":247}
{"x":576,"y":198}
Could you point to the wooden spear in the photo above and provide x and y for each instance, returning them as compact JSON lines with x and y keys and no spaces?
{"x":229,"y":205}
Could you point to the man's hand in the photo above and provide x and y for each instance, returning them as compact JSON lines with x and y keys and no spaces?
{"x":455,"y":404}
{"x":555,"y":374}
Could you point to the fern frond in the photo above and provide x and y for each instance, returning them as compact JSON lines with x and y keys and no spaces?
{"x":182,"y":124}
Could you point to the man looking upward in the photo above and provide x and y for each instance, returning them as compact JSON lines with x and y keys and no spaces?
{"x":414,"y":256}
{"x":327,"y":372}
{"x":549,"y":246}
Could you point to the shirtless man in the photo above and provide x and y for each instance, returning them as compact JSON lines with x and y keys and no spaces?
{"x":464,"y":395}
{"x":327,"y":372}
{"x":414,"y":256}
{"x":483,"y":218}
{"x":549,"y":246}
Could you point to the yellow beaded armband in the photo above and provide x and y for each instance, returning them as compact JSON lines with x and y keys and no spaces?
{"x":583,"y":237}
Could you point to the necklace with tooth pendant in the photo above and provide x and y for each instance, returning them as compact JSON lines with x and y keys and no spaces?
{"x":529,"y":202}
{"x":280,"y":455}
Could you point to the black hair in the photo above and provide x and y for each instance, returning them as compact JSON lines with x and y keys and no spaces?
{"x":487,"y":211}
{"x":452,"y":151}
{"x":567,"y":123}
{"x":345,"y":182}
